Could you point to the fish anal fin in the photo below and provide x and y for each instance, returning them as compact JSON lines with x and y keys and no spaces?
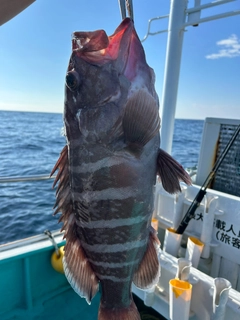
{"x":148,"y":272}
{"x":171,"y":172}
{"x":141,"y":121}
{"x":78,"y":270}
{"x":128,"y":313}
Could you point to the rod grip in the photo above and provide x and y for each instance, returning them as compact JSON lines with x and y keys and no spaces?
{"x":191,"y":210}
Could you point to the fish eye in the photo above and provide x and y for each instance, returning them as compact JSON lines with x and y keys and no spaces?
{"x":72,"y":80}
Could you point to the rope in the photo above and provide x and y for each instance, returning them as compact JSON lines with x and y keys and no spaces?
{"x":51,"y":238}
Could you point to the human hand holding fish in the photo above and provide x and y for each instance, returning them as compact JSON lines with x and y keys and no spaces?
{"x":107,"y":170}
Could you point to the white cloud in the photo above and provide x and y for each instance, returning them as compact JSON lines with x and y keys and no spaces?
{"x":230,"y":48}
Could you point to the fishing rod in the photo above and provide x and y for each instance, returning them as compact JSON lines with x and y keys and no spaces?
{"x":196,"y":202}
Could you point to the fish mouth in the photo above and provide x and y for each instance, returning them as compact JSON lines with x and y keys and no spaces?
{"x":123,"y":47}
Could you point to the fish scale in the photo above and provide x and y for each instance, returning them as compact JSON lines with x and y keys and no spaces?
{"x":108,"y":170}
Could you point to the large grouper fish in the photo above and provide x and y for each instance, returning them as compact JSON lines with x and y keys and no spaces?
{"x":108,"y":169}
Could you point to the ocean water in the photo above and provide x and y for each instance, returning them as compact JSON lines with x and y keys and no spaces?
{"x":30,"y":144}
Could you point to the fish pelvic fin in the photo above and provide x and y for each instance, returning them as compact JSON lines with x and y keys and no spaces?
{"x":141,"y":121}
{"x":77,"y":268}
{"x":148,"y":272}
{"x":171,"y":172}
{"x":128,"y":313}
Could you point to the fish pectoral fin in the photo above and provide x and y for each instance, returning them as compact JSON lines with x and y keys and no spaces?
{"x":170,"y":172}
{"x":141,"y":121}
{"x":148,"y":272}
{"x":78,"y":270}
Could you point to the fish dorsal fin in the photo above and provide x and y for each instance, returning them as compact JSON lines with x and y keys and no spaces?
{"x":76,"y":266}
{"x":141,"y":120}
{"x":171,"y":172}
{"x":63,"y":199}
{"x":148,"y":272}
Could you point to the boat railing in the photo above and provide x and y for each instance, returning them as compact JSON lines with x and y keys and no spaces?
{"x":25,"y":178}
{"x":191,"y":171}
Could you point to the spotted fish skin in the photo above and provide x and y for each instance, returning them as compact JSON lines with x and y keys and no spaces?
{"x":108,"y":169}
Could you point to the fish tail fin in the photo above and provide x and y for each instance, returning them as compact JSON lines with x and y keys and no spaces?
{"x":128,"y":313}
{"x":170,"y":172}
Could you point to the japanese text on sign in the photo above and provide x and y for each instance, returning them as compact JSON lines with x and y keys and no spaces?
{"x":227,"y":234}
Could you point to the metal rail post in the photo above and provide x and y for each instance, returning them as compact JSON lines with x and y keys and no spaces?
{"x":172,"y":69}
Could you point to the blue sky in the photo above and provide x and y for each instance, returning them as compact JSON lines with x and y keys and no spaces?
{"x":35,"y":48}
